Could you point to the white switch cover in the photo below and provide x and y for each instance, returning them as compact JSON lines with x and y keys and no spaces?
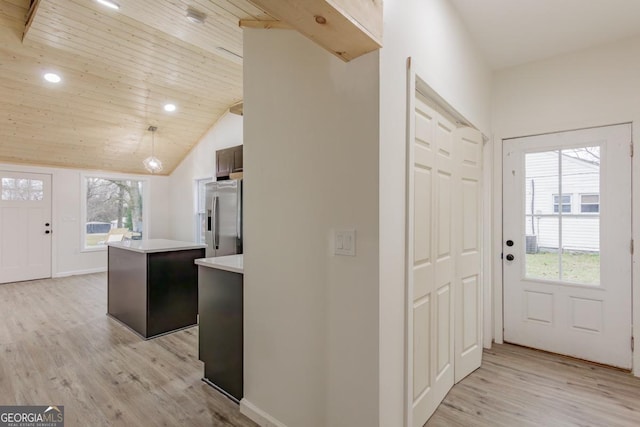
{"x":344,"y":242}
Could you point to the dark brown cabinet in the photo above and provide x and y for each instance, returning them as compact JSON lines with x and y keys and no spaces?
{"x":153,"y":293}
{"x":228,"y":160}
{"x":220,"y":296}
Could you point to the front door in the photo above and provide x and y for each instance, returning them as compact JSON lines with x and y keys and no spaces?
{"x":25,"y":226}
{"x":567,"y":243}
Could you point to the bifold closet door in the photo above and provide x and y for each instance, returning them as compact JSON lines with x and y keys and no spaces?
{"x":443,"y":247}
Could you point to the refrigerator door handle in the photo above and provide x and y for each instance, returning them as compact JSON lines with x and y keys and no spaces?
{"x":239,"y":215}
{"x":216,"y":225}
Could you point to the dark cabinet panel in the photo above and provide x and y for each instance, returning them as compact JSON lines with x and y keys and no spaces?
{"x":237,"y":159}
{"x":220,"y":329}
{"x":153,"y":293}
{"x":228,"y":160}
{"x":224,"y":162}
{"x":172,"y":289}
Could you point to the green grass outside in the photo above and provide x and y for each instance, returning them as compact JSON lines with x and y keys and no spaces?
{"x":576,"y":268}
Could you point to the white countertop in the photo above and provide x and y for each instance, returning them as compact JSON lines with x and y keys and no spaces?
{"x":232,"y":263}
{"x":155,"y":245}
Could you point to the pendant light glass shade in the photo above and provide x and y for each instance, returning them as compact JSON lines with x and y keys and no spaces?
{"x":152,"y":163}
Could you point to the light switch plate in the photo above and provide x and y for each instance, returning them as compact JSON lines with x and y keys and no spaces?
{"x":344,"y":242}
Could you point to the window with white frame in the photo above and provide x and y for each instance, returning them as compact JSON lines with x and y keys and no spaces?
{"x":589,"y":203}
{"x":201,"y":210}
{"x":22,"y":189}
{"x":566,"y":203}
{"x":113,"y":210}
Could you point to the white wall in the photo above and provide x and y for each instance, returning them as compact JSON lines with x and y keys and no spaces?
{"x":444,"y":55}
{"x":593,"y":87}
{"x":68,"y":259}
{"x":199,"y":163}
{"x":311,"y":157}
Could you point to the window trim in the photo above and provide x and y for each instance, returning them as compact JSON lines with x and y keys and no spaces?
{"x":146,"y":190}
{"x":590,"y":204}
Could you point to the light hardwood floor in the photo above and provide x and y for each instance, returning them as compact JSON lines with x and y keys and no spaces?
{"x":517,"y":386}
{"x":57,"y":346}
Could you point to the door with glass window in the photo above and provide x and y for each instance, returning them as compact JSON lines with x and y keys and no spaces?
{"x":567,"y":243}
{"x":25,"y":226}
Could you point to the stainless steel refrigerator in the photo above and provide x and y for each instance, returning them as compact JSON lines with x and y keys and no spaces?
{"x":223,"y":227}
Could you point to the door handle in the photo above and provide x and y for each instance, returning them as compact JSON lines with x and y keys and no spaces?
{"x":47,"y":231}
{"x":216,"y":223}
{"x":510,"y":257}
{"x":239,"y":212}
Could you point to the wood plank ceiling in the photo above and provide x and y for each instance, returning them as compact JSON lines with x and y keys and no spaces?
{"x":118,"y":69}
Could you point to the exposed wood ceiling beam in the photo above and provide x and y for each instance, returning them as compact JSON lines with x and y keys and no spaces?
{"x":265,"y":25}
{"x":33,"y":9}
{"x":346,"y":28}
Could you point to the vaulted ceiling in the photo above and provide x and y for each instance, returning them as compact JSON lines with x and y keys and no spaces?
{"x":118,"y":69}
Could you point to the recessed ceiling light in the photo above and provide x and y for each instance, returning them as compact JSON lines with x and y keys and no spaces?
{"x":169,"y":107}
{"x":109,"y":3}
{"x":52,"y":78}
{"x":196,"y":16}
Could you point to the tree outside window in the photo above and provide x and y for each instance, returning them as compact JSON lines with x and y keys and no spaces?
{"x":114,"y":210}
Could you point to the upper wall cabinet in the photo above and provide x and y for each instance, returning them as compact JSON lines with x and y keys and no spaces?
{"x":228,"y":160}
{"x":346,"y":28}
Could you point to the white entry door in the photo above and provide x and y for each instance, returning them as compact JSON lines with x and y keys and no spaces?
{"x":443,"y":255}
{"x":25,"y":226}
{"x":567,"y":243}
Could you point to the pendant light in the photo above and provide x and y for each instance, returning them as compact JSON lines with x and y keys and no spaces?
{"x":152,"y":163}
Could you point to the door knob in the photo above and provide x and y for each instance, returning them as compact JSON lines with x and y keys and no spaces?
{"x":509,"y":242}
{"x":47,"y":231}
{"x":510,"y":257}
{"x":46,"y":224}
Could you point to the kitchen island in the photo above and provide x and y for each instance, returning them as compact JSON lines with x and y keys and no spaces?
{"x":153,"y":285}
{"x":220,"y":337}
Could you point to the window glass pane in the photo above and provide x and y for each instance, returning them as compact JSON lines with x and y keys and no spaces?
{"x":113,"y":211}
{"x":37,"y":184}
{"x":542,"y":258}
{"x":541,"y":215}
{"x":581,"y":249}
{"x":580,"y":242}
{"x":590,"y":208}
{"x":22,"y":189}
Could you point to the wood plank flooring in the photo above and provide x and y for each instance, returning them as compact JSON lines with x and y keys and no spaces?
{"x":521,"y":387}
{"x":57,"y":346}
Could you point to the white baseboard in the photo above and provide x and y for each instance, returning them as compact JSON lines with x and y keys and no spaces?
{"x":79,"y":272}
{"x":258,"y":416}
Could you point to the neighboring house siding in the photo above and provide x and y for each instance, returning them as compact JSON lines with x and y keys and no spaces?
{"x":580,"y":230}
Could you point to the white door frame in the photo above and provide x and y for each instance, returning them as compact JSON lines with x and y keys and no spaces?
{"x":496,"y":244}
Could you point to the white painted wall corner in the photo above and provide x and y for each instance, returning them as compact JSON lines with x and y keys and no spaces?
{"x":258,"y":416}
